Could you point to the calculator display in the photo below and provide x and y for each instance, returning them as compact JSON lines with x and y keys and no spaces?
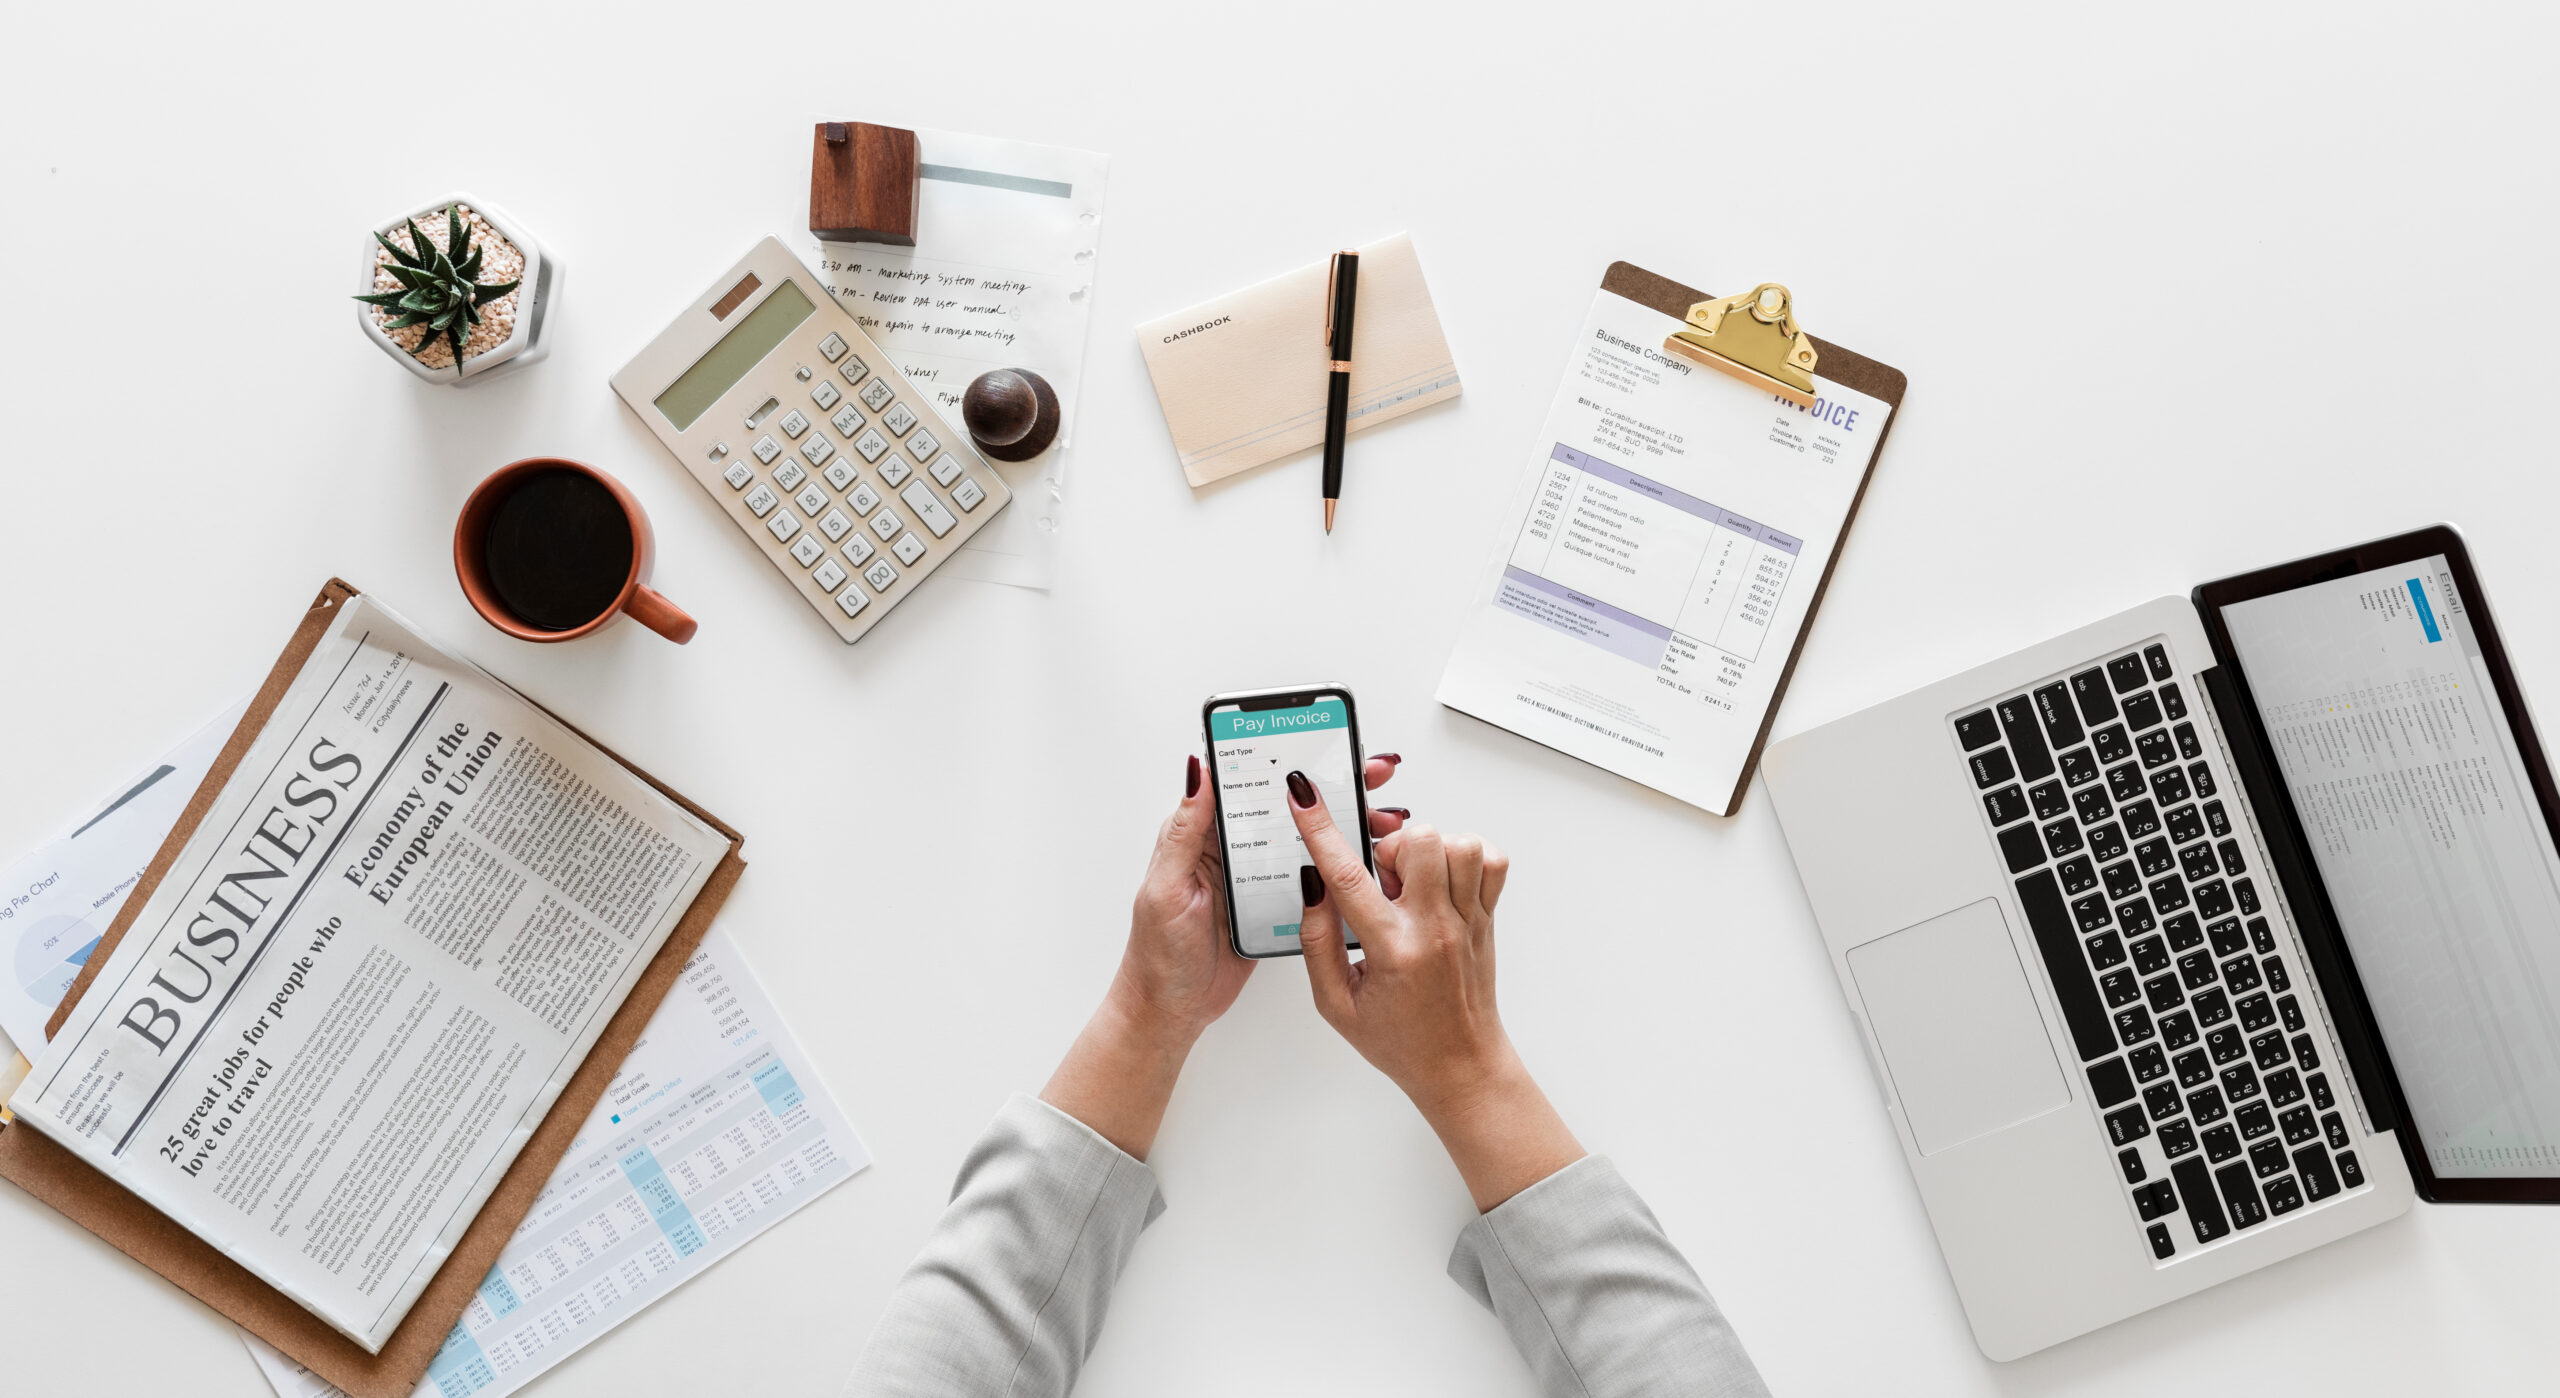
{"x":738,"y":351}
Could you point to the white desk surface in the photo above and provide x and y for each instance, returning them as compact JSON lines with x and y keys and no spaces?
{"x":2179,"y":293}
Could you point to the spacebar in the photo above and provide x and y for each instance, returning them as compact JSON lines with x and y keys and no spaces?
{"x":2059,"y":940}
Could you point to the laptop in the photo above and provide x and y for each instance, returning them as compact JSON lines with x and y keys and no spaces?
{"x":2201,"y":936}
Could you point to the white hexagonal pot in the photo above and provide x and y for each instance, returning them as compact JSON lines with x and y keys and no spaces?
{"x":524,"y":345}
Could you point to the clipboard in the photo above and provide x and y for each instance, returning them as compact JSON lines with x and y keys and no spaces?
{"x":53,"y":1174}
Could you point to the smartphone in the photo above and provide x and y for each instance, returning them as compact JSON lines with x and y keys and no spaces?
{"x":1256,"y":739}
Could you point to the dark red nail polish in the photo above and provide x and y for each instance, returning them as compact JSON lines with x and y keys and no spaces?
{"x":1310,"y":885}
{"x":1398,"y":812}
{"x":1392,"y":759}
{"x":1302,"y":793}
{"x":1191,"y":780}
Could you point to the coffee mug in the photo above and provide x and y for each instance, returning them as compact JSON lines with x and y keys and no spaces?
{"x":549,"y":550}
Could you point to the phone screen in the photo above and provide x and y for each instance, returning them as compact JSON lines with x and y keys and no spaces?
{"x":1253,"y":749}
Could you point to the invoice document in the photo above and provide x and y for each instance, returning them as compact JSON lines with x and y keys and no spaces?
{"x":1659,"y":560}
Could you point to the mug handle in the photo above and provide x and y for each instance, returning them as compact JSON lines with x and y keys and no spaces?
{"x":651,"y":609}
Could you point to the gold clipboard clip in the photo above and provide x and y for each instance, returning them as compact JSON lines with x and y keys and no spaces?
{"x":1753,"y":337}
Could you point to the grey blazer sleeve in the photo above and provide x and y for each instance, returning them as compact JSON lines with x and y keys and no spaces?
{"x":1595,"y":1296}
{"x":1008,"y":1294}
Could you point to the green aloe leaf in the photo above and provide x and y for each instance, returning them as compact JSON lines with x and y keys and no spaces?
{"x":469,"y":267}
{"x":487,"y":293}
{"x":455,"y":335}
{"x":399,"y":258}
{"x":406,"y":320}
{"x":453,"y":243}
{"x":381,"y":298}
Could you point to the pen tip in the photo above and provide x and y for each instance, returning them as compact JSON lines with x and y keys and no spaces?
{"x":1328,"y":515}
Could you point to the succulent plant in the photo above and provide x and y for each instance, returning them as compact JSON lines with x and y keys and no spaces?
{"x":438,"y":287}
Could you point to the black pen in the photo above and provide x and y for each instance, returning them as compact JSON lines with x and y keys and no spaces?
{"x":1342,"y":290}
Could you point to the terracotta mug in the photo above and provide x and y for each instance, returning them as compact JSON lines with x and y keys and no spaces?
{"x":472,"y":554}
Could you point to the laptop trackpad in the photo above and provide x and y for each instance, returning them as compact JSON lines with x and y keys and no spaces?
{"x":1963,"y":1042}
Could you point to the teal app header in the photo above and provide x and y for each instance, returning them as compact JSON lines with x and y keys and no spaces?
{"x":1271,"y":723}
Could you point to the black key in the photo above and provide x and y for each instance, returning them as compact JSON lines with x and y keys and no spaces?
{"x":2188,"y":746}
{"x":2213,"y":1006}
{"x":2161,"y":1100}
{"x":2220,"y":1143}
{"x":2005,"y":805}
{"x":2157,"y":657}
{"x":2262,"y":936}
{"x":2321,"y":1097}
{"x":2195,"y":1191}
{"x":2161,"y":1248}
{"x":2097,"y":705}
{"x":2050,"y":801}
{"x":2154,"y":857}
{"x":2240,"y":1194}
{"x":2141,"y":712}
{"x":2019,"y":845}
{"x":2092,"y":804}
{"x":2196,"y":860}
{"x":2267,"y":1158}
{"x":2268,"y":1050}
{"x":2125,"y":782}
{"x":2319,"y":1180}
{"x":2177,"y":1030}
{"x":2253,"y":1118}
{"x":2133,"y":1025}
{"x":2196,"y":969}
{"x":2141,"y":818}
{"x":2126,"y":1126}
{"x":2194,"y":1070}
{"x":2334,"y":1130}
{"x":2130,"y":1161}
{"x":2110,"y":743}
{"x":1991,"y":768}
{"x":2283,"y":1196}
{"x":2148,"y":1062}
{"x":2247,"y":893}
{"x":2111,"y":1083}
{"x":2173,"y":701}
{"x":2155,"y":749}
{"x":2061,"y":725}
{"x":2150,"y":957}
{"x":2349,"y":1170}
{"x":2255,"y":1012}
{"x":2230,"y":850}
{"x":2212,"y":899}
{"x":2134,"y":917}
{"x":2078,"y":767}
{"x":2205,"y":1105}
{"x":2155,"y":1200}
{"x":2105,"y":950}
{"x":2241,"y":974}
{"x":2216,"y":817}
{"x":2297,"y":1125}
{"x":2026,"y":737}
{"x":2168,"y":894}
{"x":2126,"y":672}
{"x":1977,"y":730}
{"x":2163,"y":994}
{"x":2050,"y":920}
{"x":2292,"y":1015}
{"x":2123,"y":880}
{"x":2176,"y":1139}
{"x":2091,"y":912}
{"x":2077,"y":876}
{"x":2226,"y":1045}
{"x":2202,"y":776}
{"x":2303,"y":1052}
{"x":2227,"y":940}
{"x":2185,"y":933}
{"x":2106,"y":842}
{"x":2168,"y":786}
{"x":2184,"y":825}
{"x":2240,"y":1083}
{"x":2284,"y":1087}
{"x":2277,"y":980}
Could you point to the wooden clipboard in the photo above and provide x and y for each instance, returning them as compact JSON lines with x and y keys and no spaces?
{"x":1842,"y":366}
{"x":46,"y":1170}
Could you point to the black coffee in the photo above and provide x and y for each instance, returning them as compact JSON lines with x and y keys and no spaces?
{"x":558,"y":549}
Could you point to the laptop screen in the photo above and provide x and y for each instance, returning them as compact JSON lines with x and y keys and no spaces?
{"x":2415,"y":801}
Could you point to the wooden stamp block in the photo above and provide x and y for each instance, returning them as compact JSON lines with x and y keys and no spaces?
{"x":862,"y":183}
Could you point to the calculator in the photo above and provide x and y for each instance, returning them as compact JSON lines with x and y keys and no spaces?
{"x":811,"y":440}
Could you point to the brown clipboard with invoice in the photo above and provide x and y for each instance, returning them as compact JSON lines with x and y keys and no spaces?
{"x":49,"y":1172}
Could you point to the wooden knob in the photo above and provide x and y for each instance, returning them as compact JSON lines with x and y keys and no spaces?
{"x":1012,"y":414}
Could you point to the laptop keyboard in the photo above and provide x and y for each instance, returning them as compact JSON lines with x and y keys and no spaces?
{"x":2141,"y":890}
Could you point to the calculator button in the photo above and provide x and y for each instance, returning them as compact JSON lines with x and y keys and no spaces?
{"x":840,"y":474}
{"x":793,"y":424}
{"x":857,"y":550}
{"x":863,"y":499}
{"x":886,"y":524}
{"x":895,"y":471}
{"x":853,"y":369}
{"x":848,"y":420}
{"x":834,"y":525}
{"x":761,"y":500}
{"x":909,"y":548}
{"x":817,"y":448}
{"x":966,"y":494}
{"x":876,"y":394}
{"x":801,"y":373}
{"x":880,"y":575}
{"x":810,"y":499}
{"x":807,"y":550}
{"x":825,"y":395}
{"x":784,"y":524}
{"x":928,"y":509}
{"x":945,"y":471}
{"x":767,"y":449}
{"x":852,"y":599}
{"x":830,"y":574}
{"x":871,"y":445}
{"x":788,"y":475}
{"x":922,"y":446}
{"x":718,"y":450}
{"x":898,"y":419}
{"x":832,"y":347}
{"x":738,"y":475}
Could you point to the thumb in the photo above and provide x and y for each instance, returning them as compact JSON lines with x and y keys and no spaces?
{"x":1320,"y":938}
{"x":1179,"y":841}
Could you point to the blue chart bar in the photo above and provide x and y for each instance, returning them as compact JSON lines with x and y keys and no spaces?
{"x":459,"y":1368}
{"x":662,"y":1202}
{"x":2426,"y":614}
{"x":781,"y":1090}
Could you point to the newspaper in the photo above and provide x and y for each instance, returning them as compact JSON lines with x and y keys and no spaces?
{"x":368,"y":974}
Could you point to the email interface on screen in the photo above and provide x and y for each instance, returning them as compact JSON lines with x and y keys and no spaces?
{"x":1255,"y":751}
{"x":2433,"y":847}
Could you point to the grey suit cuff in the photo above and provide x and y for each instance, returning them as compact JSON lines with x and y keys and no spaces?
{"x":1125,"y":1194}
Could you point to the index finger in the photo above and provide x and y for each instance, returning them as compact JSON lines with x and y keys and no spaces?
{"x":1363,"y":905}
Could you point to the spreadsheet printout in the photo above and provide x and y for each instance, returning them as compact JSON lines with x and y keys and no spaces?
{"x":716,"y":1129}
{"x":1659,"y":559}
